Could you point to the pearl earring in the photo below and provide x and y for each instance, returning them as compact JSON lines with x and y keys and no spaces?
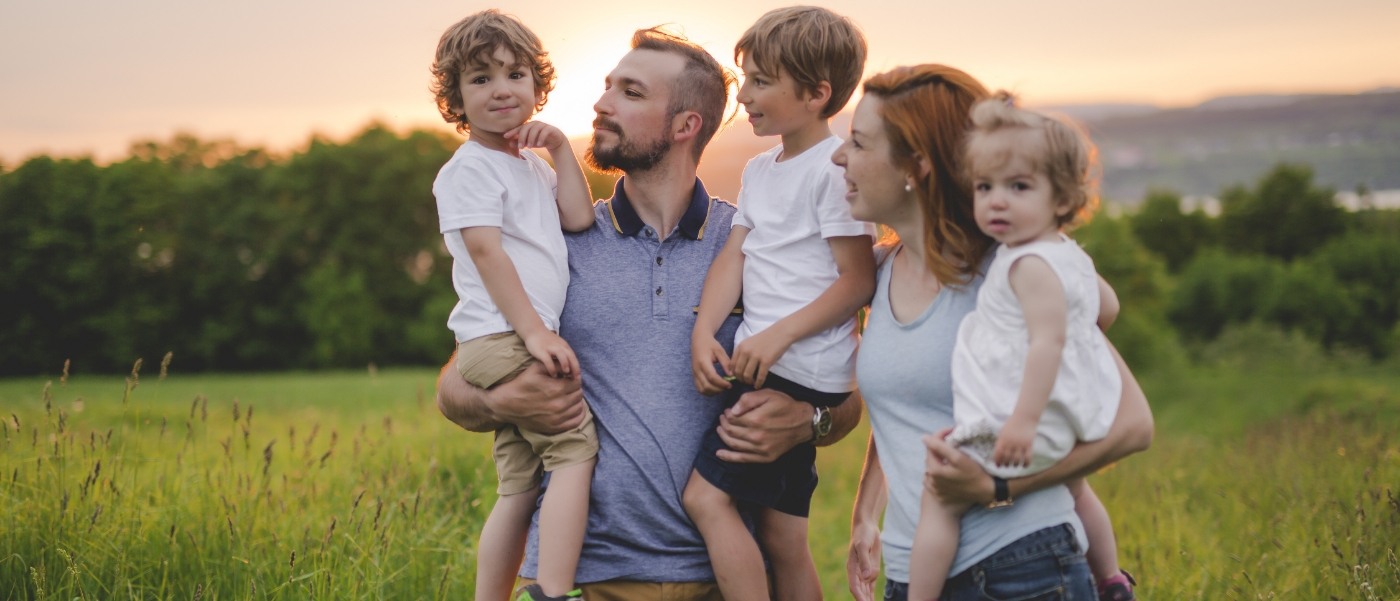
{"x":908,"y":187}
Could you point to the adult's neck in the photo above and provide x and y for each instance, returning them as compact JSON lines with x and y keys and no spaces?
{"x":661,"y":195}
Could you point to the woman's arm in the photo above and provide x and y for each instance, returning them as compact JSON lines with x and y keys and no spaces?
{"x":863,"y":559}
{"x":956,"y":478}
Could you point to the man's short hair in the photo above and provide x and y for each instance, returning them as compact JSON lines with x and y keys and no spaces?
{"x":811,"y":45}
{"x":702,"y":86}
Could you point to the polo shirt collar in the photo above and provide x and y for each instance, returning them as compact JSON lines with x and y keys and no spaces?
{"x":626,"y":221}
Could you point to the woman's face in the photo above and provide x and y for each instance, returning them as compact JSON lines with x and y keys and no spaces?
{"x":874,"y":184}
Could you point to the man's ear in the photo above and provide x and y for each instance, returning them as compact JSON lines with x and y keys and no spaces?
{"x":818,"y":97}
{"x":685,"y":126}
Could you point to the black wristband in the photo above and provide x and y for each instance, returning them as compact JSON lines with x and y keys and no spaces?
{"x":1001,"y":494}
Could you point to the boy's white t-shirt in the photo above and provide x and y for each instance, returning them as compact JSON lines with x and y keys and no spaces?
{"x":483,"y":187}
{"x":791,"y":208}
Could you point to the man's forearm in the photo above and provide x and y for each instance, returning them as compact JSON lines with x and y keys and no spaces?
{"x":460,"y":402}
{"x":844,"y":418}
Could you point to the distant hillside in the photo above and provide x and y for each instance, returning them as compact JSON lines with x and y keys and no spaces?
{"x":1349,"y":140}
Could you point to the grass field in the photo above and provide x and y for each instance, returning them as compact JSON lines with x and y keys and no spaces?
{"x":1261,"y":484}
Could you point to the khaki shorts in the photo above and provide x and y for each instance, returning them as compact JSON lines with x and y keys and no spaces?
{"x":492,"y":359}
{"x":521,"y":457}
{"x":629,"y":590}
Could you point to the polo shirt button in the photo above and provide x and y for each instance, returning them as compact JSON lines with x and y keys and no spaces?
{"x":658,"y":260}
{"x":658,"y":291}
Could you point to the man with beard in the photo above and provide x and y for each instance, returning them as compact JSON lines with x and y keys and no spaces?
{"x":635,"y":280}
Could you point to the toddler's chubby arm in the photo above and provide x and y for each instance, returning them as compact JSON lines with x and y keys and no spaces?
{"x":503,"y":283}
{"x":1108,"y":305}
{"x":723,"y":285}
{"x":1042,"y":300}
{"x":574,"y":200}
{"x":854,"y":285}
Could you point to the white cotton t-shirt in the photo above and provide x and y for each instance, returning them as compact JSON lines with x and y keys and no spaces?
{"x":791,"y":208}
{"x":480,"y":187}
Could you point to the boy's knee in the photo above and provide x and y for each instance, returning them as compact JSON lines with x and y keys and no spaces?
{"x":702,"y":499}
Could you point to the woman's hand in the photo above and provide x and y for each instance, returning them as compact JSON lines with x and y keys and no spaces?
{"x":954,"y":477}
{"x":863,"y":560}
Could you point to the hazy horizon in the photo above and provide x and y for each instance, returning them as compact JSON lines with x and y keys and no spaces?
{"x":90,"y":78}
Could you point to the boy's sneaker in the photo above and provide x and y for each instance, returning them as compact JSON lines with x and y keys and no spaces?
{"x":1118,"y":588}
{"x":533,"y":592}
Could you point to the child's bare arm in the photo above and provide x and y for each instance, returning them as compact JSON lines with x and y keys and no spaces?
{"x":573,"y":197}
{"x":854,"y":285}
{"x":723,"y":285}
{"x":1108,"y":305}
{"x":503,"y":284}
{"x":1043,"y":303}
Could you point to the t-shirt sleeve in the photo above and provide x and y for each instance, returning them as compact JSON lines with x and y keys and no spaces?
{"x":741,"y":216}
{"x":469,"y":194}
{"x":833,"y":212}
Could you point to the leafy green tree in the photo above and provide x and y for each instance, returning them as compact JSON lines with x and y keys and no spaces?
{"x":1142,"y":333}
{"x":1216,"y":289}
{"x":1164,"y":229}
{"x":1285,"y":216}
{"x":1365,"y":271}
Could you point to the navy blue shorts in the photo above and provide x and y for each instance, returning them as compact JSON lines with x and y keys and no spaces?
{"x":784,"y":485}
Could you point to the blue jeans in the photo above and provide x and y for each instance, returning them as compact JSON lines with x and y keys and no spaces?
{"x":1043,"y":565}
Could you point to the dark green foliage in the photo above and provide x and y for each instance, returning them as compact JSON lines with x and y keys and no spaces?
{"x":1173,"y":235}
{"x":228,"y":257}
{"x":1216,"y":289}
{"x":1285,"y":216}
{"x":1141,"y":333}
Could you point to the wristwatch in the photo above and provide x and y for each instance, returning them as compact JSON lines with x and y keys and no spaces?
{"x":1001,"y":494}
{"x":821,"y":423}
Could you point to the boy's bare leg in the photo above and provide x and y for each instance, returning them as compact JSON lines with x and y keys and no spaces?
{"x":935,"y":545}
{"x":563,"y":519}
{"x":1103,"y":545}
{"x":784,"y":539}
{"x":733,"y":552}
{"x":502,"y":545}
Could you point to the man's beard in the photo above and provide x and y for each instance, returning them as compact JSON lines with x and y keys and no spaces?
{"x":625,"y":155}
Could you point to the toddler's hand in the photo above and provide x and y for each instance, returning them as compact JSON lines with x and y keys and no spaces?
{"x":757,"y":354}
{"x":537,"y":134}
{"x":556,"y":355}
{"x":1013,"y":447}
{"x":705,"y":353}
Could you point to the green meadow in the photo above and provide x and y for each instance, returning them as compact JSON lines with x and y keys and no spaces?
{"x":1262,"y":483}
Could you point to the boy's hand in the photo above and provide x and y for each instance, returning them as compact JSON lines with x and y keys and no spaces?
{"x":705,"y":353}
{"x":537,"y":134}
{"x":756,"y":354}
{"x":555,"y":354}
{"x":1013,"y":447}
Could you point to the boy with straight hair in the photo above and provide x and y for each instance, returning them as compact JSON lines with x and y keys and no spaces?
{"x":501,"y":209}
{"x":803,"y":267}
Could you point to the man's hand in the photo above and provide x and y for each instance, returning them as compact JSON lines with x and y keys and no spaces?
{"x":757,"y":354}
{"x":1013,"y":448}
{"x":533,"y":401}
{"x":705,"y":353}
{"x":762,"y":426}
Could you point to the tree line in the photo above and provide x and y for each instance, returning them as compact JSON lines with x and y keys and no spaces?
{"x":237,"y":258}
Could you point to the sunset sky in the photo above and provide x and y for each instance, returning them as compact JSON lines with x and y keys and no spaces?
{"x":89,"y":77}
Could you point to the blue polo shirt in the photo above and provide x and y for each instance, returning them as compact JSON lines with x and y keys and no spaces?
{"x":628,"y":316}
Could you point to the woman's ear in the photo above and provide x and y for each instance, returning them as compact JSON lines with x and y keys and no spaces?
{"x":925,"y":166}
